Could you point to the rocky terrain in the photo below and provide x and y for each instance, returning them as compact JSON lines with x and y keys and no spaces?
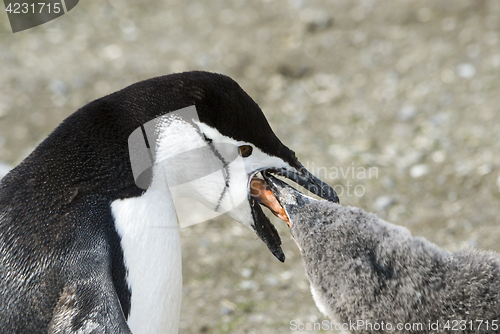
{"x":396,"y":103}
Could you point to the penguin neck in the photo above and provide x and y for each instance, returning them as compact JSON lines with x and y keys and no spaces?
{"x":151,"y":248}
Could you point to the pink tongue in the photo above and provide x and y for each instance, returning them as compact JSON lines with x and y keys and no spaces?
{"x":260,"y":190}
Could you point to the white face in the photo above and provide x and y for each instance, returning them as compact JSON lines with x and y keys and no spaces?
{"x":239,"y":184}
{"x":211,"y":172}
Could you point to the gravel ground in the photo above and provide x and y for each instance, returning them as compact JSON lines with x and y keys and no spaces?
{"x":393,"y":102}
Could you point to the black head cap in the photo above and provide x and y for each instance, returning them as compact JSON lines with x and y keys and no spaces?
{"x":220,"y":102}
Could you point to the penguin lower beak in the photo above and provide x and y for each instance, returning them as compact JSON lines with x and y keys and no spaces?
{"x":260,"y":193}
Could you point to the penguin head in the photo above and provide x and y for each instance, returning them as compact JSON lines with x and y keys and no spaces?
{"x":210,"y":142}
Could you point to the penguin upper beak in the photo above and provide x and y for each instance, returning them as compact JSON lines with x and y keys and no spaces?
{"x":307,"y":180}
{"x":291,"y":200}
{"x":260,"y":194}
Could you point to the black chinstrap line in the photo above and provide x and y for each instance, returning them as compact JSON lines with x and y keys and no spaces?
{"x":225,"y":169}
{"x":146,"y":141}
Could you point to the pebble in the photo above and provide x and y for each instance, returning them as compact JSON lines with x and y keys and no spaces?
{"x":466,"y":70}
{"x":225,"y":311}
{"x":246,"y":272}
{"x":383,"y":202}
{"x":248,"y":285}
{"x":484,"y":169}
{"x":419,"y":170}
{"x":4,"y":169}
{"x":272,"y":280}
{"x":407,"y":112}
{"x":438,"y":156}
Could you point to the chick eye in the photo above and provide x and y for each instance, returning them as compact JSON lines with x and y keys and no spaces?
{"x":245,"y":150}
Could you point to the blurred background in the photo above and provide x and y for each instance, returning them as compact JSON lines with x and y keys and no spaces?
{"x":396,"y":103}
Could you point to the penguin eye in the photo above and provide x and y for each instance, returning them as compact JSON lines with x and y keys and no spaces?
{"x":245,"y":150}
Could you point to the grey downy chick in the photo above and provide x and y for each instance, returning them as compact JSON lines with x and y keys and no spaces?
{"x":367,"y":271}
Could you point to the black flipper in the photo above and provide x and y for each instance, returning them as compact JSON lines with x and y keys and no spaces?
{"x":89,"y":306}
{"x":88,"y":301}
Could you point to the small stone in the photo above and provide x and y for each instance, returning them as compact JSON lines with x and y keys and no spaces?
{"x":388,"y":182}
{"x":58,"y":87}
{"x":258,"y":318}
{"x":484,"y":169}
{"x":419,"y":170}
{"x":319,"y":23}
{"x":112,"y":52}
{"x":438,"y":156}
{"x":246,"y":272}
{"x":466,"y":70}
{"x":447,"y":75}
{"x":407,"y":112}
{"x":227,"y":307}
{"x":225,"y":311}
{"x":248,"y":285}
{"x":4,"y":169}
{"x":272,"y":281}
{"x":383,"y":202}
{"x":286,"y":275}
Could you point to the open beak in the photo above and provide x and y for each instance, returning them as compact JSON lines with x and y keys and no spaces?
{"x":291,"y":200}
{"x":261,"y":193}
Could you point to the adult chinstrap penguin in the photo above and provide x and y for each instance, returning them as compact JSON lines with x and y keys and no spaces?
{"x":84,"y":249}
{"x":366,"y":273}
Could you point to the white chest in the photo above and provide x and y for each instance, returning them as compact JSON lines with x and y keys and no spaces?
{"x":151,"y":247}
